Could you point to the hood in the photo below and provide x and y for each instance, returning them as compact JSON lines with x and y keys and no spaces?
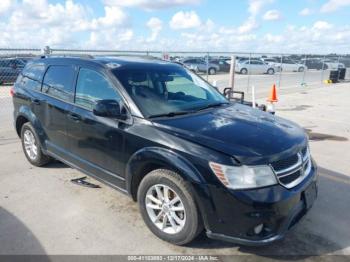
{"x":249,"y":135}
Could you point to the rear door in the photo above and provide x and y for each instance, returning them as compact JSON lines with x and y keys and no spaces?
{"x":58,"y":89}
{"x":96,"y":143}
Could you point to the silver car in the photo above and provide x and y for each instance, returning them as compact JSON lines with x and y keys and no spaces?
{"x":254,"y":66}
{"x":199,"y":65}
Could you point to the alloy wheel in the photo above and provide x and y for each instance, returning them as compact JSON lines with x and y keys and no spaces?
{"x":30,"y":144}
{"x":165,"y":209}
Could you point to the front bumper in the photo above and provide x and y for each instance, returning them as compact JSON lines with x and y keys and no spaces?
{"x":235,"y":214}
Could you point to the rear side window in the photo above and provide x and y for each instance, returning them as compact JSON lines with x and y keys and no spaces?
{"x":58,"y":82}
{"x":92,"y":87}
{"x":31,"y":76}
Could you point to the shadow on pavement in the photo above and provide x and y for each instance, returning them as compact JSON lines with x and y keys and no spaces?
{"x":325,"y":229}
{"x":17,"y":239}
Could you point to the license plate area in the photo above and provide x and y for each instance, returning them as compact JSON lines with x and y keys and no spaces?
{"x":310,"y":195}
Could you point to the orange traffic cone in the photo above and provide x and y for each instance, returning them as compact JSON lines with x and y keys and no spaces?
{"x":273,"y":94}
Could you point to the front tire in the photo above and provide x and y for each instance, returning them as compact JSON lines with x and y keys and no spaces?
{"x":301,"y":69}
{"x":31,"y":146}
{"x":168,"y":208}
{"x":212,"y":71}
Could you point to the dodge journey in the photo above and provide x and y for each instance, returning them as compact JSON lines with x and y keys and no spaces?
{"x":193,"y":160}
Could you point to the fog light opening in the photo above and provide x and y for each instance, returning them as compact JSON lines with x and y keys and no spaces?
{"x":258,"y":229}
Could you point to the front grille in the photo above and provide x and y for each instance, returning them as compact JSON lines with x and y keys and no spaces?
{"x":290,"y":178}
{"x":284,"y":163}
{"x":291,"y":171}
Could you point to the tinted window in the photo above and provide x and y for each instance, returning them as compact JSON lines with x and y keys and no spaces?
{"x":31,"y":76}
{"x":34,"y":71}
{"x":58,"y":82}
{"x":190,"y":61}
{"x":92,"y":87}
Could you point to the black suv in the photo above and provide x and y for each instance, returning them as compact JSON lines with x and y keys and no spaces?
{"x":156,"y":131}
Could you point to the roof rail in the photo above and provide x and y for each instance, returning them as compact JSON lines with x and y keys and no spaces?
{"x":68,"y":55}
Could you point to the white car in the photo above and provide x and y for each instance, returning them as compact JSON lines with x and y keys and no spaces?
{"x":288,"y":65}
{"x":332,"y":65}
{"x":254,"y":66}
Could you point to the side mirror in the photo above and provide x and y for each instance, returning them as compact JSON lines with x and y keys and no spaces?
{"x":109,"y":108}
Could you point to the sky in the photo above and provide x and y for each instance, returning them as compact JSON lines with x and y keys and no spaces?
{"x":288,"y":26}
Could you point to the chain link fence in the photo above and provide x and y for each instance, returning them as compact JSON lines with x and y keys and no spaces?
{"x":289,"y":72}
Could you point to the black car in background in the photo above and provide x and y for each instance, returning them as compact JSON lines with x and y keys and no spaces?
{"x":10,"y":69}
{"x":312,"y":63}
{"x":156,"y":131}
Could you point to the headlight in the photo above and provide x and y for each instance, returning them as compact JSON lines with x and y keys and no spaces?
{"x":243,"y":177}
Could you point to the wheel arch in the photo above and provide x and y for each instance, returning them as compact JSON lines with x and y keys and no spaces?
{"x":26,"y":115}
{"x":147,"y":159}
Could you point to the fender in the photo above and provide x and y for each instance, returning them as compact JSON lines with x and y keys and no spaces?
{"x":170,"y":159}
{"x":25,"y":111}
{"x":163,"y":157}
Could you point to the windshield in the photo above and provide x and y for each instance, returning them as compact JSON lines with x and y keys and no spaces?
{"x":167,"y":90}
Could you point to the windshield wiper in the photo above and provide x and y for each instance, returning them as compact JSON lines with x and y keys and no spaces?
{"x":171,"y":114}
{"x":212,"y":105}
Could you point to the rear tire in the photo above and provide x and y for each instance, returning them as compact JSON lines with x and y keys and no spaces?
{"x":301,"y":69}
{"x":244,"y":71}
{"x":31,"y":146}
{"x":157,"y":207}
{"x":270,"y":71}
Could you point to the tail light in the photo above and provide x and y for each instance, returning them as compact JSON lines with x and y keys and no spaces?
{"x":12,"y":91}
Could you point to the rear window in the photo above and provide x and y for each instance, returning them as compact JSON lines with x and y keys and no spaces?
{"x":58,"y":82}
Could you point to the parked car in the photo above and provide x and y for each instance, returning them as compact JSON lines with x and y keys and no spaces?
{"x":254,"y":66}
{"x":332,"y":65}
{"x":288,"y":65}
{"x":10,"y":69}
{"x":159,"y":133}
{"x":224,"y":64}
{"x":345,"y":61}
{"x":199,"y":65}
{"x":312,"y":63}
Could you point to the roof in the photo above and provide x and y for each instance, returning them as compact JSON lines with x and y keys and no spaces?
{"x":111,"y":62}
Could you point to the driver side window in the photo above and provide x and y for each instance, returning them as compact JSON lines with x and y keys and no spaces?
{"x":92,"y":87}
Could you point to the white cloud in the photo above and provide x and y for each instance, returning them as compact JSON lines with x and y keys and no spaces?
{"x":334,"y":5}
{"x":272,"y":15}
{"x":5,"y":5}
{"x":36,"y":23}
{"x":322,"y":25}
{"x":305,"y":12}
{"x":70,"y":24}
{"x":185,"y":20}
{"x":248,"y":26}
{"x":273,"y":38}
{"x":155,"y":25}
{"x":114,"y":16}
{"x":254,"y":8}
{"x":151,"y":4}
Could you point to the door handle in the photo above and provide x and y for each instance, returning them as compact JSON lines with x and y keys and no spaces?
{"x":74,"y":117}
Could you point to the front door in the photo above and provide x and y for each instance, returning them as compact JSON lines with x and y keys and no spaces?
{"x":96,"y":143}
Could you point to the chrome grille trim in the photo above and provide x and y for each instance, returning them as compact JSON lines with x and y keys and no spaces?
{"x":303,"y":166}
